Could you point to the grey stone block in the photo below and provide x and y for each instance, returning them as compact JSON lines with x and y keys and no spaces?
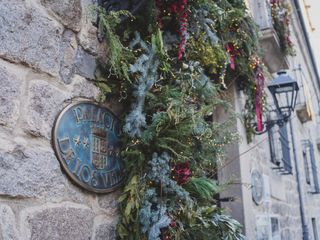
{"x":105,"y":231}
{"x":87,"y":38}
{"x":8,"y":229}
{"x":31,"y":172}
{"x":84,"y":88}
{"x":68,"y":12}
{"x":76,"y":194}
{"x":45,"y":102}
{"x":28,"y":36}
{"x":10,"y":90}
{"x":59,"y":222}
{"x":85,"y":64}
{"x":69,"y":51}
{"x":109,"y":202}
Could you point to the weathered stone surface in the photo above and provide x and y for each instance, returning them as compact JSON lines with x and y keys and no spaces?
{"x":76,"y":194}
{"x":44,"y":104}
{"x":84,"y":88}
{"x":109,"y":202}
{"x":85,"y":64}
{"x":10,"y":90}
{"x":88,"y":35}
{"x":59,"y":222}
{"x":88,"y":39}
{"x":27,"y":36}
{"x":68,"y":12}
{"x":104,"y":228}
{"x":8,"y":229}
{"x":69,"y":51}
{"x":105,"y":231}
{"x":30,"y":172}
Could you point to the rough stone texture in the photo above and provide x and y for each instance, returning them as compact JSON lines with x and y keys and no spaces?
{"x":109,"y":202}
{"x":76,"y":194}
{"x":69,"y":50}
{"x":8,"y":229}
{"x":68,"y":12}
{"x":104,"y":228}
{"x":105,"y":231}
{"x":83,"y":88}
{"x":88,"y":39}
{"x":85,"y":64}
{"x":30,"y":172}
{"x":27,"y":36}
{"x":45,"y":102}
{"x":59,"y":222}
{"x":10,"y":90}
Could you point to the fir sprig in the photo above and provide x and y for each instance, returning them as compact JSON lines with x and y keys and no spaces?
{"x":119,"y":57}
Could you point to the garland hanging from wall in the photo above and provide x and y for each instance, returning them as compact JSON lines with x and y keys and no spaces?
{"x":170,"y":66}
{"x":281,"y":14}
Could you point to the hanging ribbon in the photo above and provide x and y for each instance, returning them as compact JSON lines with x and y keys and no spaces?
{"x":183,"y":34}
{"x":177,"y":8}
{"x":232,"y":53}
{"x":259,"y":96}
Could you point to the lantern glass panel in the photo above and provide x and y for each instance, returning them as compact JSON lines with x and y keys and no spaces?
{"x":284,"y":100}
{"x":284,"y":95}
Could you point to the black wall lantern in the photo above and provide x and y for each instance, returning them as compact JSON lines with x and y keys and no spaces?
{"x":284,"y":91}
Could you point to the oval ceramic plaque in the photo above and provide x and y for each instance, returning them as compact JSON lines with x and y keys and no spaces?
{"x":86,"y":142}
{"x":257,"y":186}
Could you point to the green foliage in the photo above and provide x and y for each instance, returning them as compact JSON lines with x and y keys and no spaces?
{"x":207,"y":223}
{"x":169,"y":120}
{"x":202,"y":188}
{"x":212,"y":57}
{"x":130,"y":201}
{"x":119,"y":57}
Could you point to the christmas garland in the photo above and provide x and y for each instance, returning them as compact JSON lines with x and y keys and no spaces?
{"x":170,"y":68}
{"x":281,"y":13}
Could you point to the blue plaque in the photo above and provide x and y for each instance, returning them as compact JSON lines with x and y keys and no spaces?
{"x":86,"y":142}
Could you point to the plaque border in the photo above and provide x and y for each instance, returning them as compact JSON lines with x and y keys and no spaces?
{"x":59,"y":157}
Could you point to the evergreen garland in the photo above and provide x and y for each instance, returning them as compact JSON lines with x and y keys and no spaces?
{"x":281,"y":14}
{"x":118,"y":56}
{"x":170,"y":74}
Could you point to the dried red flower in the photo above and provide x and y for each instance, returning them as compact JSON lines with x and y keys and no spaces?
{"x":182,"y":172}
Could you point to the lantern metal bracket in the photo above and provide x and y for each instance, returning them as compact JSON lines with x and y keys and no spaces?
{"x":270,"y":123}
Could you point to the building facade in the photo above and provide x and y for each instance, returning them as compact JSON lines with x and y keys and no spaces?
{"x":47,"y":60}
{"x":276,"y":194}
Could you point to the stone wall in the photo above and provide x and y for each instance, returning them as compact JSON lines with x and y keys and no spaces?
{"x":47,"y":58}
